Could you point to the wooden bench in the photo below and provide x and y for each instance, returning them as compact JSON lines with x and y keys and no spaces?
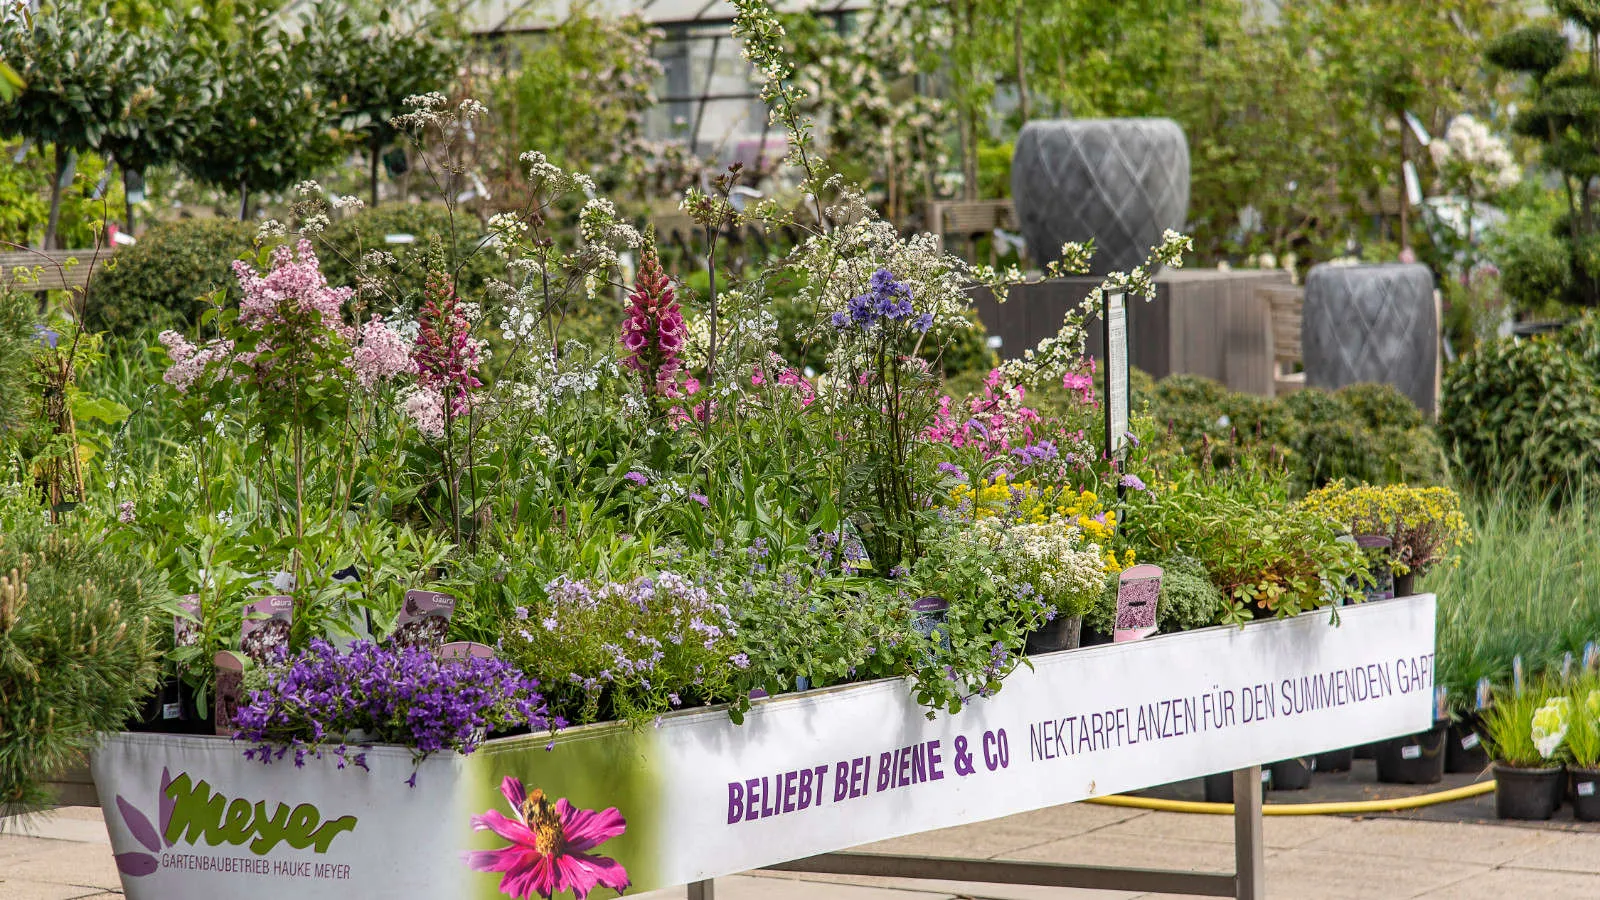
{"x":1284,"y":303}
{"x":971,"y":219}
{"x":49,"y":270}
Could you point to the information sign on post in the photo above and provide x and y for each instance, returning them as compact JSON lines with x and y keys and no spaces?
{"x":1114,"y":318}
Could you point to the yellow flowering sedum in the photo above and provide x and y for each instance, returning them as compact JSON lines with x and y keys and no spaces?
{"x":1425,"y":524}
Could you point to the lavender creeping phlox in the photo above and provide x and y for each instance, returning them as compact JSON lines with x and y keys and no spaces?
{"x":403,"y":696}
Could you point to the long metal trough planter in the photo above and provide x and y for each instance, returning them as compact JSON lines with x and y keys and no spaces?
{"x":807,"y":775}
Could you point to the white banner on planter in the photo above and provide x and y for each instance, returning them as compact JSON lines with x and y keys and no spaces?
{"x":698,"y":797}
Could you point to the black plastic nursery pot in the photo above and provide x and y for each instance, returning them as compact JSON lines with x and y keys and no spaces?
{"x":171,"y":710}
{"x":1464,"y":751}
{"x":1292,"y":774}
{"x":1413,"y":759}
{"x":1529,"y":794}
{"x":1585,"y":794}
{"x":1336,"y":760}
{"x":1365,"y":751}
{"x":1219,"y":786}
{"x":1060,"y":633}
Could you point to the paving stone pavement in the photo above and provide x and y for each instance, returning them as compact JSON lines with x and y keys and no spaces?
{"x":64,"y":855}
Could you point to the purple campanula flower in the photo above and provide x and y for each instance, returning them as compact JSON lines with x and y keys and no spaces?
{"x":1133,"y":481}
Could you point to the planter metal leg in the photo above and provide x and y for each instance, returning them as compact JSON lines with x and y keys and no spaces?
{"x":1248,"y":846}
{"x":702,"y":890}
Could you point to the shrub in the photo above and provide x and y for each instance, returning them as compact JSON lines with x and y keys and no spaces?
{"x":1331,"y":442}
{"x":157,"y":282}
{"x":1527,"y":410}
{"x":77,"y":648}
{"x":341,"y":247}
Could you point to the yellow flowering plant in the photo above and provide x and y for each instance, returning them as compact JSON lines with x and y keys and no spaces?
{"x":1425,"y":524}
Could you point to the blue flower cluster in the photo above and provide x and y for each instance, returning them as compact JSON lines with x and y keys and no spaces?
{"x":886,"y":300}
{"x":398,"y":695}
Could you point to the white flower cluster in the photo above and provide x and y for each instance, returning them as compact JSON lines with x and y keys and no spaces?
{"x":1054,"y":356}
{"x":1048,"y":558}
{"x":1474,"y":157}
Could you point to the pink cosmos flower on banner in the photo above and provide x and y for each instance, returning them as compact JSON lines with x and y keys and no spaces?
{"x":549,"y":846}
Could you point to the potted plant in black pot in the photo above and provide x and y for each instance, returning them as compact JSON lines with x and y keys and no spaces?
{"x":1525,"y":731}
{"x":1583,"y":748}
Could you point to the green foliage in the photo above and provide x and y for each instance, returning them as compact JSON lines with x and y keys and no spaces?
{"x":1536,"y":269}
{"x":1267,"y":556}
{"x":18,"y":338}
{"x":276,"y":126}
{"x":1508,"y":726}
{"x":1533,"y":50}
{"x":1523,"y":410}
{"x":1188,"y":599}
{"x":344,"y":243}
{"x":78,"y":646}
{"x":161,"y":281}
{"x":1363,"y":432}
{"x":74,"y":70}
{"x":1521,"y":587}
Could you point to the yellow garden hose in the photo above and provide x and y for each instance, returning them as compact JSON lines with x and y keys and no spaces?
{"x":1301,"y":809}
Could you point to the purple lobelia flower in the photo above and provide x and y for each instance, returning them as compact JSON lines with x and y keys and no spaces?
{"x":401,"y":695}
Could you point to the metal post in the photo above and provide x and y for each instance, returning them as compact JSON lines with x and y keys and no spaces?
{"x":702,"y":890}
{"x":1248,"y":847}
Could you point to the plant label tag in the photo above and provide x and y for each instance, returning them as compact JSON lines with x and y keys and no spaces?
{"x":186,"y":624}
{"x":1116,"y":340}
{"x":1591,"y":657}
{"x":1585,"y":789}
{"x":1566,"y":666}
{"x":171,"y":710}
{"x":1266,"y":776}
{"x":1411,"y":751}
{"x":1441,"y":704}
{"x":1137,"y":594}
{"x":266,"y":627}
{"x":424,"y":620}
{"x":1516,"y":673}
{"x":229,"y":690}
{"x":1485,"y":690}
{"x":1470,"y":741}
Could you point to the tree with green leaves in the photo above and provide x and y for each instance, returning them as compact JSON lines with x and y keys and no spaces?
{"x":368,"y":65}
{"x":273,"y":124}
{"x":74,"y":69}
{"x":1562,"y":112}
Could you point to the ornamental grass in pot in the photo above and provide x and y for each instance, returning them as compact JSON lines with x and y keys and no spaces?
{"x":1583,"y":751}
{"x":1525,"y":731}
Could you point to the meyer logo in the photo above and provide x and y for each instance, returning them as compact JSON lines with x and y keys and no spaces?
{"x":191,"y":813}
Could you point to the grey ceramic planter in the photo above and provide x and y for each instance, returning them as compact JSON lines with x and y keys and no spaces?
{"x":1372,"y":323}
{"x":1120,"y":182}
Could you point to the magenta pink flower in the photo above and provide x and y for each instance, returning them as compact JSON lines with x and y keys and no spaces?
{"x":549,"y":846}
{"x":381,"y":354}
{"x":653,"y":333}
{"x":294,"y":287}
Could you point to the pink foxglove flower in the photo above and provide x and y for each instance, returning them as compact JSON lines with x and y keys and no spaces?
{"x":550,"y":844}
{"x":653,"y":332}
{"x":446,"y":354}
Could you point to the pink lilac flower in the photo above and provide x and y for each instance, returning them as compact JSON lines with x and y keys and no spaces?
{"x":380,"y":353}
{"x":445,"y":353}
{"x":425,"y":408}
{"x":653,"y":332}
{"x":550,"y":844}
{"x":125,"y":512}
{"x":292,"y":289}
{"x":190,"y":363}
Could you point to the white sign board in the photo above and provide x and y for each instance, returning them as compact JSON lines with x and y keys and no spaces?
{"x":698,"y":797}
{"x":1116,"y":373}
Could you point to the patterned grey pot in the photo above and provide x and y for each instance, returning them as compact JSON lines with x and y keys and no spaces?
{"x":1121,"y":182}
{"x":1372,"y":323}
